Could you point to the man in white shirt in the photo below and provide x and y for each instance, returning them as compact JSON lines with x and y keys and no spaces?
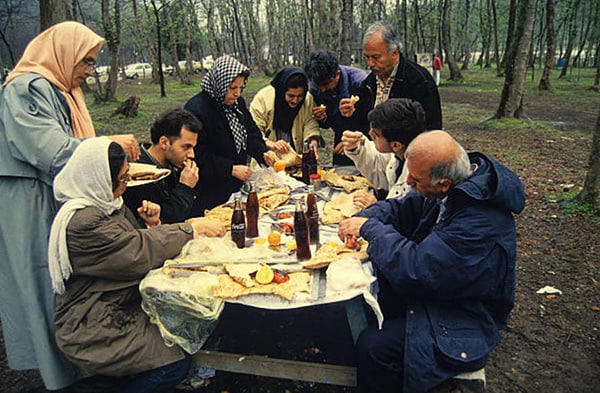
{"x":394,"y":124}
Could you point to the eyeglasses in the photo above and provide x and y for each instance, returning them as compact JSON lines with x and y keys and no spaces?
{"x":89,"y":62}
{"x":124,"y":180}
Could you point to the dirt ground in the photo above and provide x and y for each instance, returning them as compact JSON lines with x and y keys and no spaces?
{"x":552,"y":344}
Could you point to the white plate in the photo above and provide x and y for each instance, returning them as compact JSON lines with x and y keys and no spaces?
{"x":136,"y":167}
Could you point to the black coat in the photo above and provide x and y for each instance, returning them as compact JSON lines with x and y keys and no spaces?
{"x":216,"y":153}
{"x":412,"y":81}
{"x":175,"y":198}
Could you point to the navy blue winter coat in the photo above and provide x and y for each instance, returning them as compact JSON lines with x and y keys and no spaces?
{"x":455,"y":279}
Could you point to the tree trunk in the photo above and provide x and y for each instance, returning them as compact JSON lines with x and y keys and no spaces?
{"x":466,"y":38}
{"x":182,"y":75}
{"x":158,"y":64}
{"x":141,"y":35}
{"x":496,"y":44}
{"x":346,"y":41}
{"x":571,"y":38}
{"x":53,"y":12}
{"x":510,"y":31}
{"x":591,"y":188}
{"x":455,"y":74}
{"x":308,"y":22}
{"x":112,"y":35}
{"x":550,"y":37}
{"x":210,"y":25}
{"x":596,"y":85}
{"x":511,"y":100}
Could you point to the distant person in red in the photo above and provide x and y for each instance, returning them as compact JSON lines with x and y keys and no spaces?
{"x":437,"y":66}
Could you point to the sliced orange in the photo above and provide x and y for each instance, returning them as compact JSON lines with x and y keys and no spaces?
{"x":279,"y":166}
{"x":274,"y":238}
{"x":260,"y":241}
{"x":264,"y":275}
{"x":291,"y":245}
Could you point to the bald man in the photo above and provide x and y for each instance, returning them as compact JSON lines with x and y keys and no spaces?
{"x":445,"y":262}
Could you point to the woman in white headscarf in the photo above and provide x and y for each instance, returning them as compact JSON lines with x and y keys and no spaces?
{"x":98,"y":253}
{"x":43,"y":116}
{"x":229,"y":137}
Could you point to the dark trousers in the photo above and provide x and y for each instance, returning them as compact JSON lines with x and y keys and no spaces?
{"x":159,"y":380}
{"x":381,"y":357}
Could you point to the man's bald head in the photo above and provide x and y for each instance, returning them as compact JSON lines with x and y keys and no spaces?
{"x":436,"y":160}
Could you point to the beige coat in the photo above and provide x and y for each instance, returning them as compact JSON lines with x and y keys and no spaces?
{"x":305,"y":126}
{"x":100,"y":324}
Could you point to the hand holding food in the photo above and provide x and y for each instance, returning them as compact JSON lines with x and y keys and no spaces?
{"x":189,"y":174}
{"x":149,"y":212}
{"x":351,"y":139}
{"x":363,"y":199}
{"x":279,"y":146}
{"x":339,"y":148}
{"x":347,"y":107}
{"x":270,"y":158}
{"x":351,"y":226}
{"x":319,"y":112}
{"x":243,"y":172}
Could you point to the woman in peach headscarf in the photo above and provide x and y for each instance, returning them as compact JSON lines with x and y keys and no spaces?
{"x":43,"y":116}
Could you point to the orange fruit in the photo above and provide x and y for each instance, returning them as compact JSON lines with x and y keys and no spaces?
{"x":264,"y":275}
{"x":279,"y":166}
{"x":274,"y":238}
{"x":260,"y":241}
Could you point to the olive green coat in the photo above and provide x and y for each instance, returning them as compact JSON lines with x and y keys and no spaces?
{"x":100,"y":324}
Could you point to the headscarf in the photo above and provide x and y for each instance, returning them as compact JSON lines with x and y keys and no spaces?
{"x":84,"y":181}
{"x":284,"y":115}
{"x":216,"y":82}
{"x":53,"y":54}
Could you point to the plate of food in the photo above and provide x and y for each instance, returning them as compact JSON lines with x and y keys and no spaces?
{"x":145,"y":174}
{"x":282,"y":213}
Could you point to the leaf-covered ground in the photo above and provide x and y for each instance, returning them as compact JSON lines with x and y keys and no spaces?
{"x":552,"y":344}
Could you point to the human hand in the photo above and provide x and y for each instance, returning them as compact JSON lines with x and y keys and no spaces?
{"x":208,"y":228}
{"x":363,"y":199}
{"x":243,"y":172}
{"x":314,"y":145}
{"x":189,"y":174}
{"x":270,"y":159}
{"x":350,"y":227}
{"x":319,"y":112}
{"x":129,"y":145}
{"x":150,"y":213}
{"x":339,"y":148}
{"x":280,"y":146}
{"x":351,"y":139}
{"x":347,"y":108}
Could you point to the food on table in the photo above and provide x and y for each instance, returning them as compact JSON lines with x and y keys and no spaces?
{"x":349,"y":183}
{"x":283,"y":216}
{"x":270,"y":199}
{"x":352,"y":243}
{"x":342,"y":206}
{"x":332,"y":251}
{"x":290,"y":158}
{"x":260,"y":241}
{"x":291,"y":245}
{"x":272,"y":155}
{"x":274,"y":238}
{"x":264,"y":275}
{"x":279,"y":166}
{"x":240,"y":272}
{"x":354,"y":99}
{"x":227,"y":288}
{"x":284,"y":227}
{"x":221,"y":213}
{"x":280,"y":277}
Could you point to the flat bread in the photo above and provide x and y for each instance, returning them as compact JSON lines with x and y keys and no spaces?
{"x":349,"y":183}
{"x":221,"y":213}
{"x":332,"y":251}
{"x":275,"y":197}
{"x":228,"y":288}
{"x":342,"y":206}
{"x":291,"y":158}
{"x":241,"y":272}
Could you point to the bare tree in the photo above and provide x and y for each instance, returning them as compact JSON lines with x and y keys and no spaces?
{"x":181,"y":74}
{"x":158,"y":63}
{"x":574,"y":7}
{"x":346,"y":44}
{"x":467,"y":38}
{"x":550,"y":46}
{"x":455,"y":74}
{"x":511,"y":101}
{"x":112,"y":35}
{"x":591,"y":188}
{"x":52,"y":12}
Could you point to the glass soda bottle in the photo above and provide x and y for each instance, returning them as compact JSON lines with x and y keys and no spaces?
{"x":309,"y":163}
{"x":238,"y":223}
{"x":252,"y":212}
{"x":301,"y":232}
{"x":312,"y":212}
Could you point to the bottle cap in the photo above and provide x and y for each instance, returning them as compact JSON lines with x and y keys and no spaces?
{"x":315,"y":176}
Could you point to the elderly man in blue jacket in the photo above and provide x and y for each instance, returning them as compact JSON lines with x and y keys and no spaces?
{"x":445,"y":260}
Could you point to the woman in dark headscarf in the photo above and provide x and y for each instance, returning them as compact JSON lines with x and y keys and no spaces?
{"x":229,"y":137}
{"x":283,"y":112}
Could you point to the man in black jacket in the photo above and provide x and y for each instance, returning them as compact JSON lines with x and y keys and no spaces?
{"x":393,"y":76}
{"x":174,"y":136}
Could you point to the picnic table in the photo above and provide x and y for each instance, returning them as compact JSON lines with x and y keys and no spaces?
{"x":186,"y":315}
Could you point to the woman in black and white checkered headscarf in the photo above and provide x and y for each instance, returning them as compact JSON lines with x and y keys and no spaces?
{"x":225,"y":82}
{"x":229,"y":137}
